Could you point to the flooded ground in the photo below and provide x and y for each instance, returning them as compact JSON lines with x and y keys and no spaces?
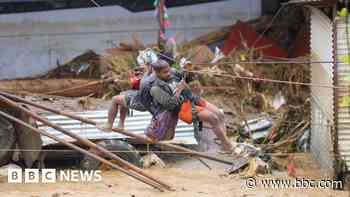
{"x":189,"y":177}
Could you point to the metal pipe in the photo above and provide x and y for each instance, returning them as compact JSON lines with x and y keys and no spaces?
{"x":139,"y":138}
{"x":81,"y":150}
{"x":85,"y":141}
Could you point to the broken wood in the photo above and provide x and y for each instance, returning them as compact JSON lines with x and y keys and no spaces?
{"x":84,"y":141}
{"x":240,"y":161}
{"x":137,"y":137}
{"x":296,"y":134}
{"x":75,"y":147}
{"x":52,"y":86}
{"x":81,"y":90}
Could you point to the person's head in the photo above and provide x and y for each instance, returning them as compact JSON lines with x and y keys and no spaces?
{"x":162,"y":69}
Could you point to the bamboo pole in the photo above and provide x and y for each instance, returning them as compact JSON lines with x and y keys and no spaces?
{"x":84,"y":141}
{"x":81,"y":150}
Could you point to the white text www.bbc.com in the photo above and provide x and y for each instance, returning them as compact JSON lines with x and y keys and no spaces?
{"x":297,"y":183}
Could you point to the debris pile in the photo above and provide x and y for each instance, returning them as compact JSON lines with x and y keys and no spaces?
{"x":264,"y":108}
{"x":85,"y":65}
{"x":261,"y":106}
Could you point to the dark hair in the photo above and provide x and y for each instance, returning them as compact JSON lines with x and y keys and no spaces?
{"x":158,"y":65}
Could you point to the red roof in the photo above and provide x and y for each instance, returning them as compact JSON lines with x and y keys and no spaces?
{"x":243,"y":33}
{"x":301,"y":46}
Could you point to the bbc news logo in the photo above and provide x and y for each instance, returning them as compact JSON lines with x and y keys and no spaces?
{"x":52,"y":176}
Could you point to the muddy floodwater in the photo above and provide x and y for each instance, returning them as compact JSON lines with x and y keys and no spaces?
{"x":189,"y":177}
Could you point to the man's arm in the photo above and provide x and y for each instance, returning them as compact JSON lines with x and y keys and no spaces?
{"x":169,"y":102}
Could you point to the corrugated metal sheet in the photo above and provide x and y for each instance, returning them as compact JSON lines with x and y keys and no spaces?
{"x":322,"y":98}
{"x":343,"y":115}
{"x":136,"y":123}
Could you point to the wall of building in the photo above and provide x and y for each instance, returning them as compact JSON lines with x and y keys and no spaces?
{"x":322,"y":108}
{"x":33,"y":43}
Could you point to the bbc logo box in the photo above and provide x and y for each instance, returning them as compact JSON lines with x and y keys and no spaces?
{"x":31,"y":176}
{"x":51,"y":176}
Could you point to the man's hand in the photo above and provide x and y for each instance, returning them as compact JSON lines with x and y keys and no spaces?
{"x":180,"y":86}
